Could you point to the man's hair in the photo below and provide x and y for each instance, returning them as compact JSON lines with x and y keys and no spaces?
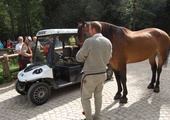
{"x":97,"y":26}
{"x":20,"y":38}
{"x":35,"y":37}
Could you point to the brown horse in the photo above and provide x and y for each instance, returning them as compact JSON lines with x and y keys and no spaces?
{"x":130,"y":47}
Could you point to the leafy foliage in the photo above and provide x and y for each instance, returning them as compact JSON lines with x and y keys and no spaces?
{"x":23,"y":17}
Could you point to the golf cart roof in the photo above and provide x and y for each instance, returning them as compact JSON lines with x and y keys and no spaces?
{"x":55,"y":31}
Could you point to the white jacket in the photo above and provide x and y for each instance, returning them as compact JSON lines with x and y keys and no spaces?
{"x":95,"y":53}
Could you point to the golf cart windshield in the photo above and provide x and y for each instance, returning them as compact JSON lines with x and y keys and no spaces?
{"x":50,"y":44}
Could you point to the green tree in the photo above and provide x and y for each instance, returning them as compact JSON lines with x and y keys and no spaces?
{"x":29,"y":18}
{"x":4,"y":22}
{"x":168,"y":16}
{"x":139,"y":14}
{"x":62,"y":14}
{"x":162,"y":19}
{"x":111,"y":11}
{"x":24,"y":16}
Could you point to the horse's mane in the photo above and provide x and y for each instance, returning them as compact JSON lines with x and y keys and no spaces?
{"x":110,"y":29}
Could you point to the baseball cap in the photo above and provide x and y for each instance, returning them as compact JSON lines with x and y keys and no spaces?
{"x":29,"y":38}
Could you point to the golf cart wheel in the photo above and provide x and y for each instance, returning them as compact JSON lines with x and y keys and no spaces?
{"x":109,"y":72}
{"x":20,"y":87}
{"x":39,"y":93}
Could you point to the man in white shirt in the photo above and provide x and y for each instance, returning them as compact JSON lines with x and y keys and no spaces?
{"x":18,"y":46}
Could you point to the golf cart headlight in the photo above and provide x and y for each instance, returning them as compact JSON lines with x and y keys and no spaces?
{"x":38,"y":71}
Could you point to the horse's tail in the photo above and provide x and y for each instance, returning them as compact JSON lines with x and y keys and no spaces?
{"x":166,"y":59}
{"x":169,"y":41}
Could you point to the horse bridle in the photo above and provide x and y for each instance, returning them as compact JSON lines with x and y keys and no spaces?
{"x":84,"y":33}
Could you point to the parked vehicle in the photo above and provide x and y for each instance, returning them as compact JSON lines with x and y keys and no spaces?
{"x":38,"y":78}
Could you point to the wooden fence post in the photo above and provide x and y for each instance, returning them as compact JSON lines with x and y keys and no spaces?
{"x":6,"y":67}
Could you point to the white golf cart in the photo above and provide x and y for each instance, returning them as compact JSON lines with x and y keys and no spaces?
{"x":38,"y":78}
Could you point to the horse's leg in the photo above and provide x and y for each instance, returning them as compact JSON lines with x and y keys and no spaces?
{"x":152,"y":62}
{"x":161,"y":61}
{"x":119,"y":87}
{"x":157,"y":89}
{"x":123,"y":80}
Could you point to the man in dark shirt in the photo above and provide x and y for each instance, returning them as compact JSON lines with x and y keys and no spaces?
{"x":26,"y":53}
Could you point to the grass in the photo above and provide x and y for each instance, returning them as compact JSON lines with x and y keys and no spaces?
{"x":13,"y":64}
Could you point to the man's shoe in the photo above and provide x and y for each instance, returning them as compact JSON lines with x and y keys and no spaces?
{"x":93,"y":119}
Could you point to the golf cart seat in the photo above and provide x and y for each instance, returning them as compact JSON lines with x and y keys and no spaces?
{"x":74,"y":51}
{"x":66,"y":53}
{"x":70,"y":53}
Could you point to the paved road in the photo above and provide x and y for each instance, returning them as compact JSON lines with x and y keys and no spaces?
{"x":64,"y":104}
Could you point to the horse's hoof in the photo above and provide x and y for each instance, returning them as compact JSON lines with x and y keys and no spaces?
{"x":117,"y":96}
{"x":156,"y":89}
{"x":123,"y":100}
{"x":150,"y":86}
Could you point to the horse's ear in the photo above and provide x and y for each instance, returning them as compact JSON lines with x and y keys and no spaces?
{"x":83,"y":22}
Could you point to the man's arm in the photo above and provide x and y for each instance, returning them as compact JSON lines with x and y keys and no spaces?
{"x":24,"y":51}
{"x":83,"y":52}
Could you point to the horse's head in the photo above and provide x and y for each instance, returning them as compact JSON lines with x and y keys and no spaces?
{"x":83,"y":31}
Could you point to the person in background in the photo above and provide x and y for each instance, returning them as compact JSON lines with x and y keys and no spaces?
{"x":33,"y":43}
{"x":95,"y":53}
{"x":26,"y":53}
{"x":58,"y":42}
{"x":38,"y":49}
{"x":9,"y":46}
{"x":1,"y":45}
{"x":5,"y":43}
{"x":18,"y":48}
{"x":9,"y":43}
{"x":47,"y":49}
{"x":72,"y":40}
